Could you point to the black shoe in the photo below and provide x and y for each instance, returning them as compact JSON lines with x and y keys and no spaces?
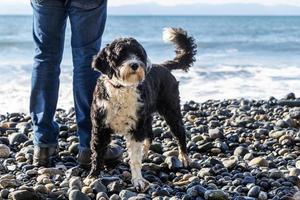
{"x":43,"y":156}
{"x":112,"y":154}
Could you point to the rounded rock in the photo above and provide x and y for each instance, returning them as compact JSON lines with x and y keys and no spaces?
{"x":126,"y":194}
{"x":74,"y":148}
{"x":263,"y":195}
{"x":77,"y":195}
{"x":23,"y":194}
{"x":230,"y":162}
{"x":215,"y":195}
{"x":17,"y":138}
{"x":4,"y":193}
{"x":254,"y":191}
{"x":40,"y":188}
{"x":276,"y":174}
{"x":259,"y":161}
{"x":240,"y":151}
{"x":215,"y":133}
{"x":4,"y":151}
{"x":98,"y":186}
{"x":156,"y":147}
{"x":114,"y":197}
{"x":75,"y":183}
{"x":173,"y":163}
{"x":101,"y":196}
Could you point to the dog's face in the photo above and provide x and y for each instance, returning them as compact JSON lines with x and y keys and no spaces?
{"x":124,"y":61}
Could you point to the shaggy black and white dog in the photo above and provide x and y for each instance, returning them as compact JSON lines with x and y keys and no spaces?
{"x":130,"y":90}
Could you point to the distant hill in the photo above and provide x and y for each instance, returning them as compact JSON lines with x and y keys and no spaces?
{"x":204,"y":9}
{"x":191,"y":9}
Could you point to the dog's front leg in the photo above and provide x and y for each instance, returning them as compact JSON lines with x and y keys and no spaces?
{"x":135,"y":154}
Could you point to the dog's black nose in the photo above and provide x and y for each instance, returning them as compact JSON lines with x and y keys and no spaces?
{"x":134,"y":66}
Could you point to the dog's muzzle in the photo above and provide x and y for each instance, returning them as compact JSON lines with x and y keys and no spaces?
{"x":134,"y":66}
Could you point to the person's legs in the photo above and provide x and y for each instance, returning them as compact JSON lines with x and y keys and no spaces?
{"x":87,"y":25}
{"x":49,"y":22}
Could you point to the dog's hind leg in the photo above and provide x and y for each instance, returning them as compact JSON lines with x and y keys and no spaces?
{"x":100,"y":140}
{"x":149,"y":138}
{"x":171,"y":112}
{"x":135,"y":154}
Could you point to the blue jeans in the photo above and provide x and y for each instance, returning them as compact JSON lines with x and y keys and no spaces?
{"x":87,"y":19}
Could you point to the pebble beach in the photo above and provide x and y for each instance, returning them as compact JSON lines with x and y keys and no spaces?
{"x":240,"y":149}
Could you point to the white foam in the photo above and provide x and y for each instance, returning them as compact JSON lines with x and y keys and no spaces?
{"x":15,"y":89}
{"x":257,"y":82}
{"x":199,"y":84}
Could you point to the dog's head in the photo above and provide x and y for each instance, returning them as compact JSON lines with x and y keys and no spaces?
{"x":124,"y":61}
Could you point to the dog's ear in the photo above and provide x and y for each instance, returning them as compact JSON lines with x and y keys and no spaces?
{"x":101,"y":63}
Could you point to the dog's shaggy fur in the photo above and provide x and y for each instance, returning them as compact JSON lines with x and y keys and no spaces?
{"x":130,"y":91}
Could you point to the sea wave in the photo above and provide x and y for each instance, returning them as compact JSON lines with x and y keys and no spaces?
{"x":200,"y":83}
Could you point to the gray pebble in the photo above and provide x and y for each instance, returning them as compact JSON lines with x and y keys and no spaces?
{"x":114,"y":197}
{"x":126,"y":194}
{"x":98,"y":186}
{"x":77,"y":195}
{"x":75,"y":183}
{"x":173,"y":163}
{"x":23,"y":195}
{"x":17,"y":138}
{"x":215,"y":195}
{"x":4,"y":151}
{"x":241,"y":151}
{"x":215,"y":133}
{"x":254,"y":191}
{"x":101,"y":196}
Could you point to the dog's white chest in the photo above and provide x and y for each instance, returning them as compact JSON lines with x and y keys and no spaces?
{"x":122,"y":108}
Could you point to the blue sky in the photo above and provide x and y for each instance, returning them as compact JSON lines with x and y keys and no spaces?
{"x":23,"y":7}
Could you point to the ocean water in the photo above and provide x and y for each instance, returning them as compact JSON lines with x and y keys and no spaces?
{"x":238,"y":57}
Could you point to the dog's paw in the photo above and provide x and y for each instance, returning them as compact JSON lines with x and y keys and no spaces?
{"x":184,"y":158}
{"x":140,"y":184}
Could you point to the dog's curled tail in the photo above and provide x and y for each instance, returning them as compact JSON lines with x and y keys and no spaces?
{"x":186,"y":49}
